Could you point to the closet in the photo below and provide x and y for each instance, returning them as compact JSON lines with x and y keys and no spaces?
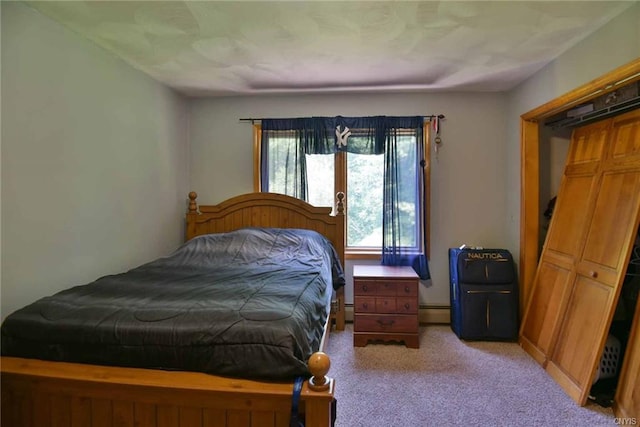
{"x":584,"y":259}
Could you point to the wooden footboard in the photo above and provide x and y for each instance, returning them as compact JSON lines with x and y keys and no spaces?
{"x":38,"y":393}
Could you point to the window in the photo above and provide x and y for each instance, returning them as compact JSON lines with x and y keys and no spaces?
{"x":364,"y":184}
{"x":321,"y":179}
{"x":364,"y":203}
{"x":360,"y":176}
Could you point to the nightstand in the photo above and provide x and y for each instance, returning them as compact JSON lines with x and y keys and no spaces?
{"x":385,"y":304}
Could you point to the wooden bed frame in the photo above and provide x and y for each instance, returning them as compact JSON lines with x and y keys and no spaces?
{"x":38,"y":393}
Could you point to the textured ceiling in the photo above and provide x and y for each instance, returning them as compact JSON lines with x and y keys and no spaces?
{"x":210,"y":48}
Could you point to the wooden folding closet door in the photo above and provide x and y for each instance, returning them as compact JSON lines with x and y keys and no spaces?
{"x":583,"y":261}
{"x":563,"y":246}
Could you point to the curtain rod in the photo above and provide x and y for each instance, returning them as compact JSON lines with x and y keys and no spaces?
{"x":253,"y":120}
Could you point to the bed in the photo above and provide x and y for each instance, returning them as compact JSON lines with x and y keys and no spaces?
{"x":85,"y":391}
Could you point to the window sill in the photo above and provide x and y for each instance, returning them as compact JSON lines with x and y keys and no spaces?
{"x":362,"y":254}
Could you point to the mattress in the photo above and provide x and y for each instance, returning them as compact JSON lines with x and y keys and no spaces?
{"x":251,"y":303}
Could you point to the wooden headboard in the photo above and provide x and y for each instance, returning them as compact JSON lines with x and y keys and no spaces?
{"x":267,"y":210}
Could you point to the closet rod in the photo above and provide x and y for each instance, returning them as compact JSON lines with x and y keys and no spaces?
{"x":253,"y":120}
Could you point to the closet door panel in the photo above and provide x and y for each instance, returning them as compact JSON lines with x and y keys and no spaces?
{"x":612,"y":228}
{"x":570,"y":217}
{"x":626,"y":138}
{"x":547,"y":303}
{"x":554,"y":277}
{"x":577,"y":190}
{"x":588,"y":144}
{"x":577,"y":351}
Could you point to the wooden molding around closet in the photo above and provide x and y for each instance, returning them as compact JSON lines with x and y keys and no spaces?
{"x":530,"y":162}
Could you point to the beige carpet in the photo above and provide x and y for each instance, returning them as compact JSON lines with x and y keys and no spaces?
{"x":449,"y":382}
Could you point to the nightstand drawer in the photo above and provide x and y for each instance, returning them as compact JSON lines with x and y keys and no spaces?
{"x":374,"y":287}
{"x":382,"y":323}
{"x":385,"y":305}
{"x":406,"y":305}
{"x":364,"y":304}
{"x":365,"y":287}
{"x":407,"y":289}
{"x":385,"y":287}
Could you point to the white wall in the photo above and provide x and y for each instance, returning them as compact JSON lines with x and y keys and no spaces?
{"x":94,"y":161}
{"x":615,"y":44}
{"x":468,"y":201}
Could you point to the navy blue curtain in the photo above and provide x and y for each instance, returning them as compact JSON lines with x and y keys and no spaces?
{"x":305,"y":136}
{"x":403,"y":184}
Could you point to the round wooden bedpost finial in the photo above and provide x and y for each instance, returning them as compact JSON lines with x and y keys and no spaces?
{"x":193,"y":206}
{"x":340,"y":204}
{"x":319,"y":364}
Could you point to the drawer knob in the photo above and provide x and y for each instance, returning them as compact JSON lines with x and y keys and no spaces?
{"x":593,"y":274}
{"x":407,"y":289}
{"x":407,"y":306}
{"x":365,"y":305}
{"x":364,"y":288}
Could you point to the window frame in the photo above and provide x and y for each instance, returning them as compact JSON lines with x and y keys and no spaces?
{"x":340,"y":179}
